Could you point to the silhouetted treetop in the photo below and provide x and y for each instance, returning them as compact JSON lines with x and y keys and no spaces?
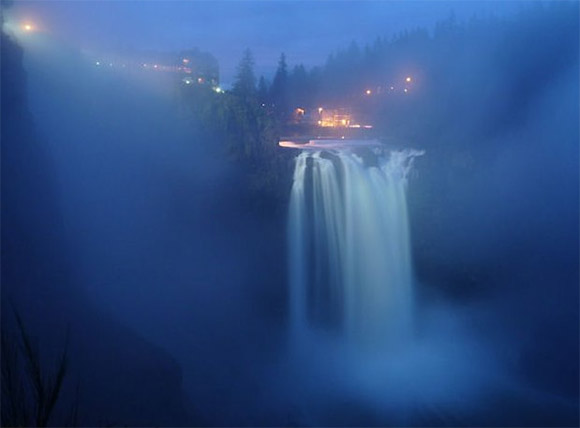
{"x":245,"y":83}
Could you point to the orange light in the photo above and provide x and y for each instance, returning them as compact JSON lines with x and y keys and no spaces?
{"x":368,"y":92}
{"x":408,"y":79}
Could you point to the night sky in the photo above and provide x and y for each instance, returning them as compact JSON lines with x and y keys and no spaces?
{"x":306,"y":31}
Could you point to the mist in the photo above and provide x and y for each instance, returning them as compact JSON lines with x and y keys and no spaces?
{"x":380,"y":230}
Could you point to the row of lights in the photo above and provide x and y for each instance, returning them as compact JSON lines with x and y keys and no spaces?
{"x":28,"y":27}
{"x":189,"y":81}
{"x":186,"y":80}
{"x":98,"y":64}
{"x":408,"y":79}
{"x":154,"y":66}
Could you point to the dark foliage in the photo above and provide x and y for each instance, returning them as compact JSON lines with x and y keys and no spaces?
{"x":30,"y":390}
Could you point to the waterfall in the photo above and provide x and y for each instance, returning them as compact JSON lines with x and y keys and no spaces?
{"x":349,"y":247}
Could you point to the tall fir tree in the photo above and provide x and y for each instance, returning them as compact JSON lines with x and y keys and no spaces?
{"x":263,"y":91}
{"x":279,"y":89}
{"x":245,"y":84}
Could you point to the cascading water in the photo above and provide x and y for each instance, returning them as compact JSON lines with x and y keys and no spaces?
{"x":350,"y":267}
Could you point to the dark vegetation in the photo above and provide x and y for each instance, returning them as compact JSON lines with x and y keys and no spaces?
{"x":247,"y":130}
{"x":30,"y":391}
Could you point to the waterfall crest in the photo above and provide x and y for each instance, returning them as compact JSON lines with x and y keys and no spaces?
{"x":349,"y":247}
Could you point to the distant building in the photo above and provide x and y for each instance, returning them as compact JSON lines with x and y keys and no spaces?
{"x":198,"y":67}
{"x":334,"y":118}
{"x":328,"y":118}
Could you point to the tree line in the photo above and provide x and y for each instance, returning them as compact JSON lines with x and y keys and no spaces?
{"x":469,"y":80}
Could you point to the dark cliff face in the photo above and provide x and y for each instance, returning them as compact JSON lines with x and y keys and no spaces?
{"x":122,"y":379}
{"x":494,"y":210}
{"x":33,"y":243}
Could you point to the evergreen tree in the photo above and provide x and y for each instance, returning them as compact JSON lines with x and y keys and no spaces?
{"x":279,"y":89}
{"x":245,"y":84}
{"x":262,"y":91}
{"x":298,"y":87}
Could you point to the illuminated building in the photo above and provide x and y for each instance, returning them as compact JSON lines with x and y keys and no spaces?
{"x":327,"y":118}
{"x":201,"y":67}
{"x":334,"y":118}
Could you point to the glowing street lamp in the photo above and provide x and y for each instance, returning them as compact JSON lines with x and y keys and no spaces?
{"x":368,"y":92}
{"x":408,"y":79}
{"x":28,"y":27}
